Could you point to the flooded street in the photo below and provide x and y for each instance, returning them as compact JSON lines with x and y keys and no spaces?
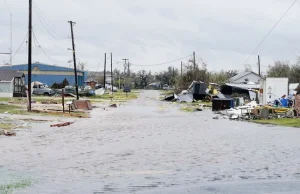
{"x":149,"y":146}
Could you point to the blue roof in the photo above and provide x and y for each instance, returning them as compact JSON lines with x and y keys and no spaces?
{"x":40,"y":66}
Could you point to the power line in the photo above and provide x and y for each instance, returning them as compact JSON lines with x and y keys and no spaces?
{"x":158,"y":64}
{"x":271,"y":30}
{"x":20,"y":46}
{"x":7,"y":5}
{"x":44,"y":22}
{"x":39,"y":45}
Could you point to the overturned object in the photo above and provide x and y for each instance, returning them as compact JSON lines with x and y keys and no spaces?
{"x":113,"y":106}
{"x":188,"y":97}
{"x":83,"y":104}
{"x":8,"y":133}
{"x":62,"y":124}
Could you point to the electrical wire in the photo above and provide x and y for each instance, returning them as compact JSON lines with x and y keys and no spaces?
{"x":271,"y":30}
{"x":39,"y":45}
{"x":44,"y":22}
{"x":158,"y":64}
{"x":7,"y":5}
{"x":20,"y":46}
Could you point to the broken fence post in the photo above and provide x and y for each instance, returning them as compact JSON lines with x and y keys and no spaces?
{"x":63,"y":99}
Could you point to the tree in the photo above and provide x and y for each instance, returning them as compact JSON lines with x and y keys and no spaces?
{"x":65,"y":83}
{"x":294,"y":75}
{"x":142,"y":79}
{"x":96,"y":76}
{"x":168,"y":77}
{"x":81,"y":66}
{"x":232,"y":73}
{"x":279,"y":69}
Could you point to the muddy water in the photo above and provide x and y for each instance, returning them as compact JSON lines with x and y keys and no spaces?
{"x":148,"y":146}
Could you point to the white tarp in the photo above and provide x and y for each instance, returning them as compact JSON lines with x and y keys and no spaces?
{"x":100,"y":92}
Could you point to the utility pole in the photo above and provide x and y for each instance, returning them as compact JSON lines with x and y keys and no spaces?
{"x":125,"y":60}
{"x":181,"y":70}
{"x":74,"y":59}
{"x":128,"y":79}
{"x":104,"y":69}
{"x":173,"y":73}
{"x":29,"y":54}
{"x":111,"y":74}
{"x":194,"y":61}
{"x":120,"y":78}
{"x":258,"y":65}
{"x":128,"y":69}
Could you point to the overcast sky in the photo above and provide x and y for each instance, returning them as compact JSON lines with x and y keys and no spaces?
{"x":222,"y":33}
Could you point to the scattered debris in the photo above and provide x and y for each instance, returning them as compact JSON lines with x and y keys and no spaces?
{"x":34,"y":120}
{"x":169,"y":98}
{"x":188,"y":97}
{"x":49,"y":102}
{"x":62,"y":124}
{"x":113,"y":106}
{"x":234,"y":117}
{"x":100,"y":92}
{"x":8,"y":133}
{"x":83,"y":104}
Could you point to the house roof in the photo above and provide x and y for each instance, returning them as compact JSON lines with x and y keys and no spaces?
{"x":244,"y":86}
{"x":9,"y":75}
{"x":39,"y":66}
{"x":243,"y":74}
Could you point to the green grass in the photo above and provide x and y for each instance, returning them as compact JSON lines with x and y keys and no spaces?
{"x":118,"y":96}
{"x":288,"y":122}
{"x":6,"y":126}
{"x":166,"y":92}
{"x":11,"y":109}
{"x":188,"y":108}
{"x":9,"y":188}
{"x":203,"y":102}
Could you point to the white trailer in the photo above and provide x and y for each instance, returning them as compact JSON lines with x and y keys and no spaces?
{"x":273,"y":88}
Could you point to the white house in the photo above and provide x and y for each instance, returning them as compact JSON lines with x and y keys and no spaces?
{"x":245,"y":77}
{"x":12,"y":83}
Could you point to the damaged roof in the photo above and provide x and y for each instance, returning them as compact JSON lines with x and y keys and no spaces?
{"x":9,"y":75}
{"x":243,"y":74}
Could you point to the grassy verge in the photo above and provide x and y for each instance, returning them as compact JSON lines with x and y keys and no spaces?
{"x":117,"y":96}
{"x":166,"y":92}
{"x":6,"y":126}
{"x":12,"y":109}
{"x":188,"y":108}
{"x":288,"y":122}
{"x":9,"y":188}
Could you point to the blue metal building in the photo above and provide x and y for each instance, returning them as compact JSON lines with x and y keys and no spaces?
{"x":50,"y":74}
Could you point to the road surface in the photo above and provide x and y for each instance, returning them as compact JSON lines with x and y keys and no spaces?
{"x":149,"y":146}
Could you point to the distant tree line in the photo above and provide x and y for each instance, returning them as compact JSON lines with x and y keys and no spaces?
{"x":174,"y":77}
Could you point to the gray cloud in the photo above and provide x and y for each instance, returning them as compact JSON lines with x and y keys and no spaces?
{"x":223,"y":33}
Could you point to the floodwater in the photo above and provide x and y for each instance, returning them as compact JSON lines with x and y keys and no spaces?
{"x":149,"y":146}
